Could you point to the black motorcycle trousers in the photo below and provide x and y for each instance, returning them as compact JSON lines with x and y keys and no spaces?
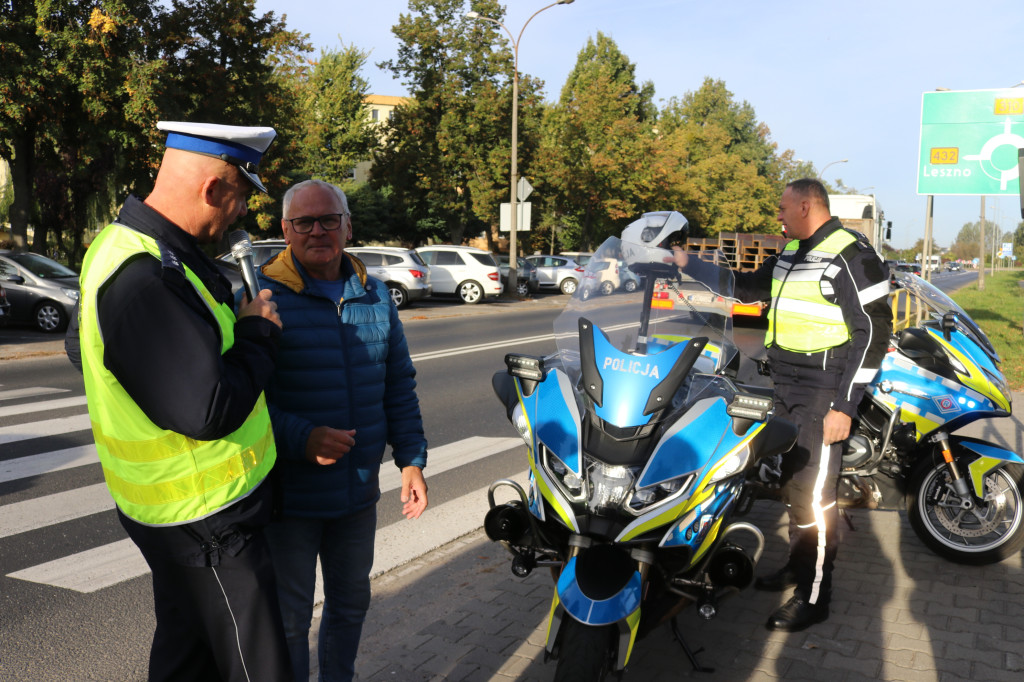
{"x":810,"y":474}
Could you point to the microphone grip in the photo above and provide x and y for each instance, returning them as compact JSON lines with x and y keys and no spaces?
{"x":248,"y":270}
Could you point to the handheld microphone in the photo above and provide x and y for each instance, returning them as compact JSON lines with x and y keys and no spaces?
{"x":241,"y":249}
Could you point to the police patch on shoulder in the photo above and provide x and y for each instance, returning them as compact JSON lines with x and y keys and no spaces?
{"x":169,"y":261}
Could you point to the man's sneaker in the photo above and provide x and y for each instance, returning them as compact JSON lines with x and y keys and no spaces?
{"x":796,"y":615}
{"x":782,"y":579}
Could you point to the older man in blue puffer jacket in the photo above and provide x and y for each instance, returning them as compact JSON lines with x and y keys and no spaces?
{"x":344,"y":387}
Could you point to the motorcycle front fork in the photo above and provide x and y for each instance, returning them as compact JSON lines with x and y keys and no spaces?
{"x":961,"y":486}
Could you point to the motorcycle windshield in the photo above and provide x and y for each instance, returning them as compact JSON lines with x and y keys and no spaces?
{"x":639,"y":334}
{"x":938,"y":304}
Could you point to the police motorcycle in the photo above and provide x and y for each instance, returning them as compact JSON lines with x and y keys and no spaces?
{"x":962,"y":495}
{"x":638,"y":439}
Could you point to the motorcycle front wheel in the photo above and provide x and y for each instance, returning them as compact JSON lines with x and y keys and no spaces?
{"x":586,"y":652}
{"x":990,"y":531}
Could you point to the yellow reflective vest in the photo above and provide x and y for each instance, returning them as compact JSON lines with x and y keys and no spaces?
{"x":156,"y":476}
{"x":802,"y":320}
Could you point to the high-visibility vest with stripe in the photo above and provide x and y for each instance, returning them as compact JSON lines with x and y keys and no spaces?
{"x":156,"y":476}
{"x":801,"y":319}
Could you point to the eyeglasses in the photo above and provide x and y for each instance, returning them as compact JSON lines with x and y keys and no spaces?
{"x":329,"y":222}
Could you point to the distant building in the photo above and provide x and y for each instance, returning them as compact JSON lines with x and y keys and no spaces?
{"x":379,"y":110}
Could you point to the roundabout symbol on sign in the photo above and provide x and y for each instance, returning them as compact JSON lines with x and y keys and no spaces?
{"x":984,"y":157}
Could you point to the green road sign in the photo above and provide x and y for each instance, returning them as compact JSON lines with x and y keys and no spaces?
{"x":969,"y":142}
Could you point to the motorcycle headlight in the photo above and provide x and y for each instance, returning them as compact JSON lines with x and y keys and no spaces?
{"x":644,"y":498}
{"x":570,"y":483}
{"x":608,"y":485}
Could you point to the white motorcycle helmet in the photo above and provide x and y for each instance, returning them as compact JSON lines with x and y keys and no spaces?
{"x":649,"y":239}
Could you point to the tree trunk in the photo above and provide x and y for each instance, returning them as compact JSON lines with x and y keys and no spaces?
{"x":21,"y":179}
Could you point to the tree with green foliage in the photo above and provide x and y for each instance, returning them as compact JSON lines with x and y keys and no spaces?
{"x":441,"y":158}
{"x":723,"y":162}
{"x":82,"y":86}
{"x":335,"y":133}
{"x":598,"y":147}
{"x":224,"y":63}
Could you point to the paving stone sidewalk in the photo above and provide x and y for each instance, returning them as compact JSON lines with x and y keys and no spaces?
{"x":898,"y":613}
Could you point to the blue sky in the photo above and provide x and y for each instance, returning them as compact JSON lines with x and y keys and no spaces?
{"x":832,"y":80}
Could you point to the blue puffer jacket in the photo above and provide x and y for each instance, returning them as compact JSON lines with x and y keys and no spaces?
{"x":345,"y":365}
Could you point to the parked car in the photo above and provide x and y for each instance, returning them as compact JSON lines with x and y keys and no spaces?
{"x":601,"y":277}
{"x":630,"y":280}
{"x":40,"y":290}
{"x":403,"y":270}
{"x":557,"y":272}
{"x":526,"y":274}
{"x":466,"y":271}
{"x":262,"y":251}
{"x":581,"y":257}
{"x":5,"y":307}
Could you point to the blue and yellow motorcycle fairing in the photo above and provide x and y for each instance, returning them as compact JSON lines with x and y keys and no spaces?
{"x":638,"y":443}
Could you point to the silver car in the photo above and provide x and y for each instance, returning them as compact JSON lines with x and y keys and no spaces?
{"x":41,"y":291}
{"x":557,"y":272}
{"x":405,"y":273}
{"x":526,"y":274}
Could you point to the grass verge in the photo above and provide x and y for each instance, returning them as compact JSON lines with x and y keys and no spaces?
{"x":998,"y":310}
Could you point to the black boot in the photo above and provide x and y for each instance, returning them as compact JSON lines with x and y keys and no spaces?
{"x":782,"y":579}
{"x":797,"y":614}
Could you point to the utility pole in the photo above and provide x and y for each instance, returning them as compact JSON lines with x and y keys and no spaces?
{"x":981,"y":265}
{"x":926,"y":248}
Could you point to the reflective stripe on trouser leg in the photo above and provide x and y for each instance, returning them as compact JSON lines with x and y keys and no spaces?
{"x":819,"y":519}
{"x":231,"y":612}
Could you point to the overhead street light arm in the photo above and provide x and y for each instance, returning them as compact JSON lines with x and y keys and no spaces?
{"x":514,"y":169}
{"x":822,"y":173}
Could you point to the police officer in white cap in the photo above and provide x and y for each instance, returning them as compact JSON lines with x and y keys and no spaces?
{"x":175,"y":384}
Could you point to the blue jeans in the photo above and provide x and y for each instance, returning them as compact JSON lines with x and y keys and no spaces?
{"x":345,"y":546}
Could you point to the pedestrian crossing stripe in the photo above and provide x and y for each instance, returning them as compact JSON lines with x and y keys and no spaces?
{"x":110,"y":564}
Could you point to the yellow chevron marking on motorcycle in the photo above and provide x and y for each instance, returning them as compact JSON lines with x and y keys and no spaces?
{"x":551,"y":619}
{"x":633,"y":621}
{"x":976,"y":377}
{"x":979,"y":468}
{"x":663,"y":517}
{"x":708,"y":541}
{"x":921,"y":423}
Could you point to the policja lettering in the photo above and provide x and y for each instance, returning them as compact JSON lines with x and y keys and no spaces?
{"x":632,"y":367}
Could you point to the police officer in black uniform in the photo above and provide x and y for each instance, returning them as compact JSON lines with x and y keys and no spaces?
{"x":163,"y":354}
{"x":829,"y":327}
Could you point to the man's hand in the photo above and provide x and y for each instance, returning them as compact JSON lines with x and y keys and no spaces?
{"x":326,"y":445}
{"x":836,"y":427}
{"x":414,"y":492}
{"x":262,"y":306}
{"x":679,"y":256}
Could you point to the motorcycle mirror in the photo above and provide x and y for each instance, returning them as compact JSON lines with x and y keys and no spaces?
{"x":948,"y":325}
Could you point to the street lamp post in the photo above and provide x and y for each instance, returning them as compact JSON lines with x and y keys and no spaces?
{"x":821,"y":175}
{"x":514,"y":172}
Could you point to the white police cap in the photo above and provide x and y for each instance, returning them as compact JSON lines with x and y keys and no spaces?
{"x":241,"y":146}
